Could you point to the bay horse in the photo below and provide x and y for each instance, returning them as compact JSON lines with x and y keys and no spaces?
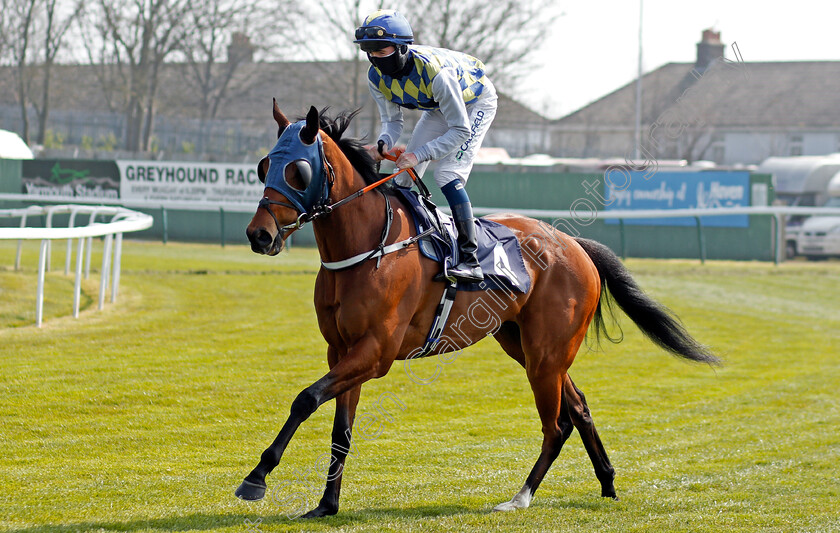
{"x":380,"y":311}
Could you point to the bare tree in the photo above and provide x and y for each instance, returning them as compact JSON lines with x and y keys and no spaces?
{"x":340,"y":19}
{"x":131,"y":39}
{"x":219,"y":43}
{"x":33,"y":33}
{"x":19,"y":18}
{"x":502,"y":33}
{"x":5,"y":30}
{"x":55,"y":28}
{"x":213,"y":24}
{"x":326,"y":30}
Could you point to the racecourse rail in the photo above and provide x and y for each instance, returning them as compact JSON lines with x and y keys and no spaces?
{"x":122,"y":220}
{"x":125,"y":220}
{"x":777,"y":212}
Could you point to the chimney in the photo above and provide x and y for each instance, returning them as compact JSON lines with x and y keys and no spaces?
{"x":708,"y":49}
{"x":240,"y":49}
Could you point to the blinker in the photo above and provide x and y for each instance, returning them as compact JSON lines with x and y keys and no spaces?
{"x":305,"y":170}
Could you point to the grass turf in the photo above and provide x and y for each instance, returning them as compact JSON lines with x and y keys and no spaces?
{"x":145,"y":416}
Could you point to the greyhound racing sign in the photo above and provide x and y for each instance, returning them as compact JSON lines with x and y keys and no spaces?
{"x":158,"y":181}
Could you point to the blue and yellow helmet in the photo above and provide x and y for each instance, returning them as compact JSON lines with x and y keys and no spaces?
{"x":382,"y":28}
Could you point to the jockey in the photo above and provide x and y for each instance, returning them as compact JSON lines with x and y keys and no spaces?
{"x":458,"y":103}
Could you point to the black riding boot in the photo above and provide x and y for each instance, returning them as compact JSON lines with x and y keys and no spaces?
{"x":468,"y":269}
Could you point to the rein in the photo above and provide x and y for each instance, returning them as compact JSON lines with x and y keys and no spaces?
{"x":381,"y":250}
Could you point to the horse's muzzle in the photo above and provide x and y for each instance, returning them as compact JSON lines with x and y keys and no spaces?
{"x":262,"y":242}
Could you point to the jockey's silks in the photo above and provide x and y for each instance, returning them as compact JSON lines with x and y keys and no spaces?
{"x":415,"y":90}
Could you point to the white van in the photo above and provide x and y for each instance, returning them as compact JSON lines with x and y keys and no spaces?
{"x":819,"y":235}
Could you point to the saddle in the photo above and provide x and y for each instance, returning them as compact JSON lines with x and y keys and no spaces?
{"x":499,"y":252}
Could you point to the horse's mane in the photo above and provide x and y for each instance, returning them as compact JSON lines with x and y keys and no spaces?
{"x":353,"y":149}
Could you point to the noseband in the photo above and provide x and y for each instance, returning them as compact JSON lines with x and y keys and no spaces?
{"x":266,"y":204}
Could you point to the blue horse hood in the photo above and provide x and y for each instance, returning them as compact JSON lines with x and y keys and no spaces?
{"x":291,"y":149}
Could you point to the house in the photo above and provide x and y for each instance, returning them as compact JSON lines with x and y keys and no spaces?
{"x":727,"y":111}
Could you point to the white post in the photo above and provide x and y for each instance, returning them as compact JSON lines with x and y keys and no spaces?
{"x":88,"y":253}
{"x":77,"y":288}
{"x":20,"y":242}
{"x":39,"y":299}
{"x":50,"y":211}
{"x":115,"y":285}
{"x":73,"y":212}
{"x":106,"y":265}
{"x":89,"y":246}
{"x":780,"y":239}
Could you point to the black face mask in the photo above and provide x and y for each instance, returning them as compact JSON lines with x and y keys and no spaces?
{"x":393,"y":65}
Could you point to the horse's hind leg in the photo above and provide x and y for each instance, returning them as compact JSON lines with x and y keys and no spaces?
{"x":561,"y":406}
{"x":575,"y":406}
{"x":557,"y":427}
{"x":554,"y":413}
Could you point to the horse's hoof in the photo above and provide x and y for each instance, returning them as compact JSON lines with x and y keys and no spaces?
{"x":507,"y":506}
{"x":518,"y":502}
{"x":250,"y":491}
{"x":320,"y":511}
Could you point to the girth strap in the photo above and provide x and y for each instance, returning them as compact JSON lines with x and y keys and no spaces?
{"x":441,"y":317}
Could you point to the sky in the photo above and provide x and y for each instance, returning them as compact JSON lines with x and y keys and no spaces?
{"x":593,"y":49}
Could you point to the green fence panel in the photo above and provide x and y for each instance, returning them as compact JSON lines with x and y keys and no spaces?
{"x":10,"y":172}
{"x":513,"y":189}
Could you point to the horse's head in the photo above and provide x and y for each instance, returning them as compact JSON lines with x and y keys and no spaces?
{"x":296,"y":182}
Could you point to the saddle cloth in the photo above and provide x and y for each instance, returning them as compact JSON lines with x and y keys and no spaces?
{"x":498,"y":253}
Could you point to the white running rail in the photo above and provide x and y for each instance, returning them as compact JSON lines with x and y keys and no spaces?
{"x":120,"y":221}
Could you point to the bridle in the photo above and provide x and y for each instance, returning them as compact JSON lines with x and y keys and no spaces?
{"x":324,"y":208}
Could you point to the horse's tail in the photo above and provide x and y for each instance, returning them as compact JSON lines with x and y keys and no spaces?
{"x":656,"y":321}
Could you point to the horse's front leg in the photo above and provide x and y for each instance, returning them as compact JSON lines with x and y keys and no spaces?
{"x":345,"y":413}
{"x":364,"y":361}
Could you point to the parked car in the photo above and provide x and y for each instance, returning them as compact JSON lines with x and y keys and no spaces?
{"x":819,"y":236}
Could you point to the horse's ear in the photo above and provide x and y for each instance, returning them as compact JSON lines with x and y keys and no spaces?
{"x":307,"y":134}
{"x":280,"y":118}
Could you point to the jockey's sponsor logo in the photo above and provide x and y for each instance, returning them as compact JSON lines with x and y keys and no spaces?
{"x":479,"y":118}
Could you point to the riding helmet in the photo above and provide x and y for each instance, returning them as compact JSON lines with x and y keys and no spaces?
{"x":382,"y":28}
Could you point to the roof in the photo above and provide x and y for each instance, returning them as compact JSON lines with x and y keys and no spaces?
{"x":785,"y":94}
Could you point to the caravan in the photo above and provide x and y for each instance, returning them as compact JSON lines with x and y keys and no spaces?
{"x":819,"y":236}
{"x":800,"y":181}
